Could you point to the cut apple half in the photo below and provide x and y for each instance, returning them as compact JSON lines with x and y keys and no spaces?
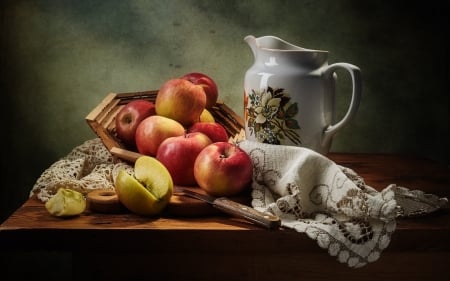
{"x":147,"y":192}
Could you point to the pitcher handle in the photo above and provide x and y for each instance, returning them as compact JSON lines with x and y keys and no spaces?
{"x":355,"y":74}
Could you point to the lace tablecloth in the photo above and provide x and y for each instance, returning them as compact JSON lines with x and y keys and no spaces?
{"x":311,"y":194}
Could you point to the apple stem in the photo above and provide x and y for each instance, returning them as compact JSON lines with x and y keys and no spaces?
{"x":226,"y":153}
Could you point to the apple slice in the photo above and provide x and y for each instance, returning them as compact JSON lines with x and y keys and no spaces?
{"x":65,"y":203}
{"x":147,"y":192}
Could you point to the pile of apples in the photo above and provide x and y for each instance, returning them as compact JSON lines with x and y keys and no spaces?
{"x":179,"y":131}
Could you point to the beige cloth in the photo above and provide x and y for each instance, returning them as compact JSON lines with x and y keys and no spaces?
{"x":330,"y":203}
{"x":311,"y":194}
{"x":87,"y":167}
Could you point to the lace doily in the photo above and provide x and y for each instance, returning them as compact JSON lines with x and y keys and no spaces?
{"x":311,"y":194}
{"x":330,"y":203}
{"x":87,"y":167}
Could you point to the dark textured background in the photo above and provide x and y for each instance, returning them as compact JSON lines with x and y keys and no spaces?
{"x":60,"y":58}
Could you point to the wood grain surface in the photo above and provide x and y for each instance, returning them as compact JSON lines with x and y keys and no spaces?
{"x":201,"y":245}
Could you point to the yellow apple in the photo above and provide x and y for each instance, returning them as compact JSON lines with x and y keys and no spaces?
{"x":206,"y":116}
{"x":180,"y":100}
{"x":149,"y":191}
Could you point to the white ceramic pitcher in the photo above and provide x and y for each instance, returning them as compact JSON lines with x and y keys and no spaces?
{"x":289,"y":95}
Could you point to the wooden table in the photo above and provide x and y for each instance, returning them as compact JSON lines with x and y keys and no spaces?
{"x":127,"y":247}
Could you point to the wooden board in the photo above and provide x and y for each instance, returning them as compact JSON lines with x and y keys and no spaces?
{"x":185,"y":206}
{"x":180,"y":205}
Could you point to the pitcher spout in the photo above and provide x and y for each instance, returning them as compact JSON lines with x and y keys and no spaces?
{"x":251,"y":41}
{"x":284,"y":50}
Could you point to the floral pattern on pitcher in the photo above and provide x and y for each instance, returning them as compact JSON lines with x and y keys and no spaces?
{"x":270,"y":116}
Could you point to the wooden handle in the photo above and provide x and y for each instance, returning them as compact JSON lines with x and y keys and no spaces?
{"x":239,"y":210}
{"x":125,"y":154}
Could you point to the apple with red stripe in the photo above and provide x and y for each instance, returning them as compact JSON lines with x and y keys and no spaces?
{"x":223,"y":169}
{"x":215,"y":131}
{"x":178,"y":155}
{"x":208,"y":84}
{"x":129,"y":117}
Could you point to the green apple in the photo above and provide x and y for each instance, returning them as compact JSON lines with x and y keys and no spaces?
{"x":149,"y":191}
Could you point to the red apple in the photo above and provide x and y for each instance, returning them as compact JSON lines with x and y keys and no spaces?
{"x":181,"y":100}
{"x":223,"y":169}
{"x":153,"y":130}
{"x":208,"y":84}
{"x":129,"y":117}
{"x":178,"y":154}
{"x":214,"y":131}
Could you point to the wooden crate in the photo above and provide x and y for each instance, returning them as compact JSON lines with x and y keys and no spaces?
{"x":102,"y":121}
